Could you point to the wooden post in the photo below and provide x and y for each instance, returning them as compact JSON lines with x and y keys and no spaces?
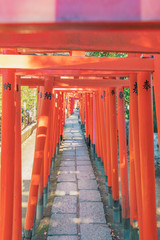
{"x":17,"y":211}
{"x":135,"y":134}
{"x":39,"y":212}
{"x":109,"y":171}
{"x":146,"y":141}
{"x":7,"y":154}
{"x":99,"y":139}
{"x":86,"y":116}
{"x":91,"y":124}
{"x":82,"y":112}
{"x":123,"y":162}
{"x":94,"y":134}
{"x":46,"y":159}
{"x":133,"y":195}
{"x":114,"y":154}
{"x":103,"y":133}
{"x":42,"y":126}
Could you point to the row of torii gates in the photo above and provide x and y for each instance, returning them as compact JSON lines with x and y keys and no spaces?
{"x":97,"y":96}
{"x":28,"y":31}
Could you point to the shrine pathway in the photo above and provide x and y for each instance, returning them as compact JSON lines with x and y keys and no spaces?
{"x":77,"y":211}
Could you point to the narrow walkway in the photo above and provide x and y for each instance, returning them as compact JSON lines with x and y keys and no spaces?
{"x":77,"y":211}
{"x":28,"y":148}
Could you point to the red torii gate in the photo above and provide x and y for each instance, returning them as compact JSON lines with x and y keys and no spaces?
{"x":103,"y":83}
{"x":91,"y":27}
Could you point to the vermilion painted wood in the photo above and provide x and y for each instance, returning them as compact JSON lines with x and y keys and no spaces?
{"x":42,"y":126}
{"x":87,"y":83}
{"x":146,"y":142}
{"x":107,"y":108}
{"x":110,"y":37}
{"x":113,"y":144}
{"x":41,"y":181}
{"x":67,"y":107}
{"x":93,"y":117}
{"x":99,"y":127}
{"x":47,"y":148}
{"x":83,"y":83}
{"x":86,"y":115}
{"x":76,"y":63}
{"x":64,"y":106}
{"x":55,"y":122}
{"x":32,"y":82}
{"x":80,"y":105}
{"x":17,"y":209}
{"x":82,"y":117}
{"x":123,"y":153}
{"x":97,"y":147}
{"x":71,"y":73}
{"x":61,"y":113}
{"x":156,"y":84}
{"x":136,"y":147}
{"x":7,"y":154}
{"x":133,"y":194}
{"x":52,"y":128}
{"x":103,"y":128}
{"x":50,"y":154}
{"x":89,"y":117}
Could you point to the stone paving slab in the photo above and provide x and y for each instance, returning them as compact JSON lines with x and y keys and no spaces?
{"x":82,"y":149}
{"x":66,"y":188}
{"x":85,"y":175}
{"x":68,"y":148}
{"x":69,"y":237}
{"x":87,"y":184}
{"x":65,"y":204}
{"x":89,"y":196}
{"x":95,"y":232}
{"x":69,"y":153}
{"x":67,"y":163}
{"x":81,"y":153}
{"x":68,"y":169}
{"x":62,"y":224}
{"x":92,"y":212}
{"x":68,"y":158}
{"x":88,"y":169}
{"x":82,"y":158}
{"x":84,"y":163}
{"x":66,"y":177}
{"x":67,"y":143}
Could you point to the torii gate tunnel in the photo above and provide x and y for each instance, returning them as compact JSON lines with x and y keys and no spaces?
{"x":30,"y":32}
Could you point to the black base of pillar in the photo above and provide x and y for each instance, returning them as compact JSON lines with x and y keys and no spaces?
{"x":110,"y":204}
{"x":126,"y":225}
{"x":116,"y":212}
{"x":27,"y":234}
{"x":134,"y":234}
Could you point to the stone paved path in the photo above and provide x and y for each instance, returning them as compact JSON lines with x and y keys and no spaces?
{"x":77,"y":211}
{"x":27,"y":161}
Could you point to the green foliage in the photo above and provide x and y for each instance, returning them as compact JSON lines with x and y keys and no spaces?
{"x":126,"y":97}
{"x":105,"y":54}
{"x":28,"y":97}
